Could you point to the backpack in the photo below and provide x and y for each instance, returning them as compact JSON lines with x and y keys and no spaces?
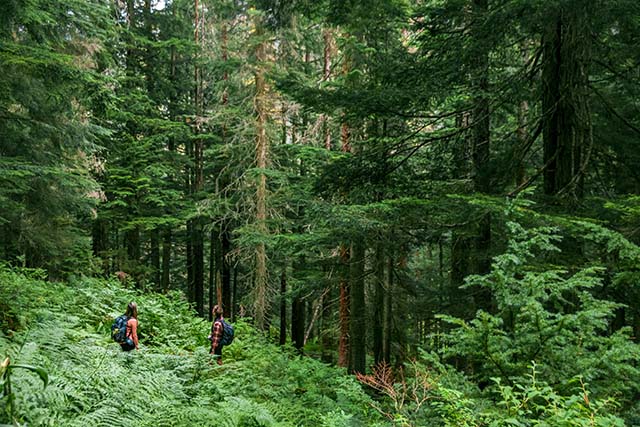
{"x":119,"y":328}
{"x":227,"y":332}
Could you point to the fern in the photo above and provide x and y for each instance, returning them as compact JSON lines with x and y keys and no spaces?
{"x":171,"y":380}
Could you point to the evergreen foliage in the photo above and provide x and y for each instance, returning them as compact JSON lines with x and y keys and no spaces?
{"x":438,"y":195}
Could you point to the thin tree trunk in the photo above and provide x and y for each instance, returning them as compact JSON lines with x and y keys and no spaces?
{"x":326,"y":74}
{"x":298,"y":321}
{"x":325,"y":331}
{"x":262,"y":149}
{"x":155,"y":257}
{"x":213,"y":268}
{"x":387,"y":318}
{"x":283,"y":307}
{"x":166,"y":260}
{"x":343,"y":343}
{"x":189,"y":261}
{"x":100,"y":243}
{"x":358,"y":317}
{"x":378,"y":306}
{"x":197,"y":234}
{"x":234,"y":294}
{"x":225,"y":272}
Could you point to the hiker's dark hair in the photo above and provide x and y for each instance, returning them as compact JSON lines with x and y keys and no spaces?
{"x":132,"y":310}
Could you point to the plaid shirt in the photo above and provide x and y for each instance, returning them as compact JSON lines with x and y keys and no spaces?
{"x":216,"y":333}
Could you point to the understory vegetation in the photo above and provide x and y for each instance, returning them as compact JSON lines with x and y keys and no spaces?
{"x":171,"y":381}
{"x":559,"y":370}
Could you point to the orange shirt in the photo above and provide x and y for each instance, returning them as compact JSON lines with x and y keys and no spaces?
{"x":132,"y":330}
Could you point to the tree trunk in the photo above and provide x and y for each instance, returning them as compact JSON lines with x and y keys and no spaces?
{"x":326,"y":74}
{"x":100,"y":243}
{"x":166,"y":260}
{"x":325,"y":331}
{"x":225,"y":271}
{"x":298,"y":321}
{"x":387,"y":311}
{"x":262,"y":149}
{"x":283,"y":307}
{"x":234,"y":293}
{"x":189,"y":261}
{"x":378,"y":306}
{"x":358,"y":315}
{"x":480,"y":136}
{"x":343,"y":343}
{"x":155,"y":257}
{"x":567,"y":118}
{"x":197,"y":233}
{"x":132,"y":243}
{"x":214,"y":249}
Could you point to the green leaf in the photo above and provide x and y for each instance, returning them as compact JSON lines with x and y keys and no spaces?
{"x":41,"y":372}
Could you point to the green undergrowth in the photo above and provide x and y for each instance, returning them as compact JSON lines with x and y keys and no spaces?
{"x":171,"y":381}
{"x":63,"y":330}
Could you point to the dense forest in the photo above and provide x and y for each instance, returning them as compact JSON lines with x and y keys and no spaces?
{"x":415,"y":213}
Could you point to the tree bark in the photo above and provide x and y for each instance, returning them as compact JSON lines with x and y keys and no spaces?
{"x":358,"y":316}
{"x":378,"y":306}
{"x":166,"y":260}
{"x":481,"y":143}
{"x":566,"y":113}
{"x":155,"y":257}
{"x":343,"y":343}
{"x":298,"y":320}
{"x":325,"y":331}
{"x":283,"y":307}
{"x":326,"y":74}
{"x":387,"y":313}
{"x":262,"y":149}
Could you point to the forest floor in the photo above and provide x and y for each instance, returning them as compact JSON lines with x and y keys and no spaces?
{"x":171,"y":380}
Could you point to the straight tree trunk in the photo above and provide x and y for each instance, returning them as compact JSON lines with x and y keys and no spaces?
{"x":566,"y":113}
{"x":262,"y":150}
{"x":283,"y":307}
{"x":214,"y":249}
{"x":343,"y":343}
{"x":481,"y":132}
{"x":166,"y":259}
{"x":344,"y":346}
{"x":197,"y":233}
{"x":225,"y":271}
{"x":378,"y":306}
{"x":358,"y":316}
{"x":387,"y":312}
{"x":326,"y":74}
{"x":234,"y":294}
{"x":189,"y":261}
{"x":155,"y":257}
{"x":298,"y":321}
{"x":325,"y":331}
{"x":100,"y":243}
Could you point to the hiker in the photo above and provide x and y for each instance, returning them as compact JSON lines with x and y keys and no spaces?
{"x":217,"y":329}
{"x":131,"y":337}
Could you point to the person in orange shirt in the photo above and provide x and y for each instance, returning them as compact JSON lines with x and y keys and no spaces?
{"x":131,"y":340}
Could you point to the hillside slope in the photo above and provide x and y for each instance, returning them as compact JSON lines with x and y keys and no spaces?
{"x":171,"y":381}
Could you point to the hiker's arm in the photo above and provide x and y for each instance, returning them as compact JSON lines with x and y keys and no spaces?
{"x":134,"y":332}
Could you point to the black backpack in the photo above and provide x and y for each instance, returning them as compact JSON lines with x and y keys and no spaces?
{"x":119,"y":328}
{"x":227,"y":332}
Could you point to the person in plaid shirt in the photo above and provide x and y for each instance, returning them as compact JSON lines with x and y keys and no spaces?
{"x":216,"y":333}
